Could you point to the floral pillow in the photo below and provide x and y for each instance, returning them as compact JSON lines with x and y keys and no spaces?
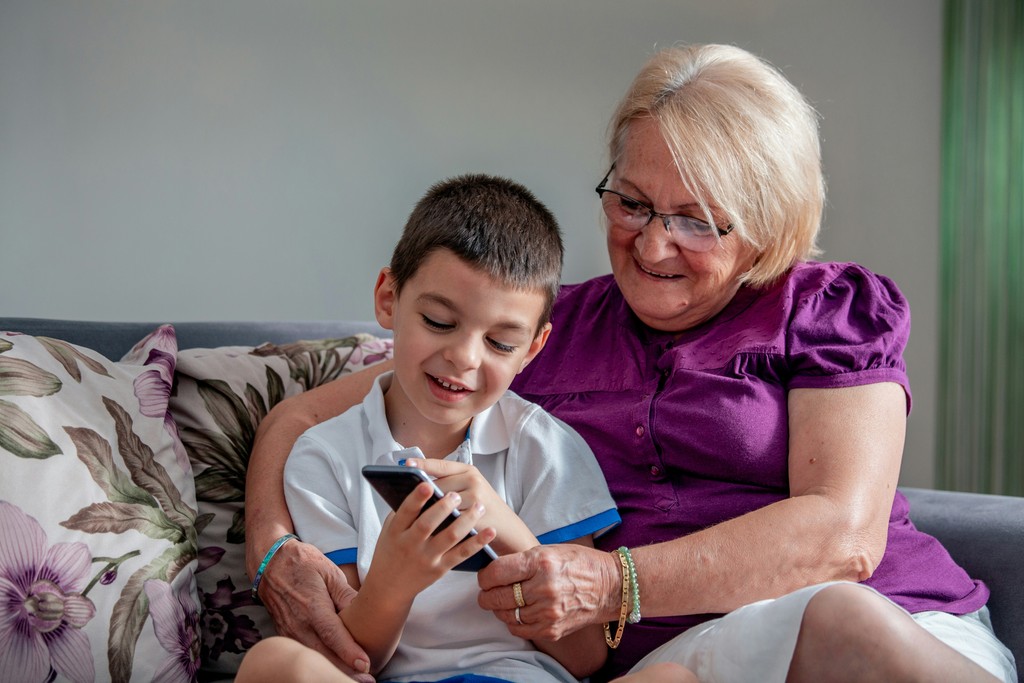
{"x":97,"y":516}
{"x":219,"y":399}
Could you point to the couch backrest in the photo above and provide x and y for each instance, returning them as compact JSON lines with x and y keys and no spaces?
{"x":114,"y":339}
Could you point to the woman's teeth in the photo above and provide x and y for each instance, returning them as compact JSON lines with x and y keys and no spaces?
{"x":661,"y":275}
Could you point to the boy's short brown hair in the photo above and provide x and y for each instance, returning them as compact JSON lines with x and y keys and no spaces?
{"x":493,"y":224}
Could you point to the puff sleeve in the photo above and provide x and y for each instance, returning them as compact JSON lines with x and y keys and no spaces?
{"x":849,"y":329}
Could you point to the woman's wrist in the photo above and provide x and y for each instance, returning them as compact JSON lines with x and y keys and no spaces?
{"x":258,"y":540}
{"x":611,"y":581}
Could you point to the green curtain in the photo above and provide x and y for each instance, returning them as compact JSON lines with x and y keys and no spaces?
{"x":981,"y":350}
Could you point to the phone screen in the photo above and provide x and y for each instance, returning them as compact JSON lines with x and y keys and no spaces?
{"x":395,"y":482}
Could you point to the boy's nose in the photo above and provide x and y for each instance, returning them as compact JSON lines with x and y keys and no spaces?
{"x":464,"y":355}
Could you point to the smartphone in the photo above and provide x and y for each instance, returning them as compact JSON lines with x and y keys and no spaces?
{"x":395,"y":482}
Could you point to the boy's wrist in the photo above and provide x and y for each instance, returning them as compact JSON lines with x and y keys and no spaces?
{"x":381,"y":591}
{"x":513,"y":534}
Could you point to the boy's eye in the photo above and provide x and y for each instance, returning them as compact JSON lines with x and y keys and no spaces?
{"x":503,"y":348}
{"x":436,"y":325}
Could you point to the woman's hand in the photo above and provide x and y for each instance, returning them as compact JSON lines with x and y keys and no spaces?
{"x":299,"y":589}
{"x":565,"y":587}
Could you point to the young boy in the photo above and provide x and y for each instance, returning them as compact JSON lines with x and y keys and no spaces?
{"x":468,"y":297}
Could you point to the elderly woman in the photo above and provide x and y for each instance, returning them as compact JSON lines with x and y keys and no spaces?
{"x":747,"y":407}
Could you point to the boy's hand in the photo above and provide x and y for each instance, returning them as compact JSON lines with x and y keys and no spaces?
{"x":474,"y":489}
{"x":409,"y":556}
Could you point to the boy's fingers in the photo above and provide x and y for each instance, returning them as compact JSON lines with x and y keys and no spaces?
{"x":471,"y":545}
{"x":437,"y":516}
{"x":436,"y":468}
{"x":410,"y":508}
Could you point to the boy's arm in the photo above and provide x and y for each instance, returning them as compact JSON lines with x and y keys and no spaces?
{"x":584,"y":651}
{"x":375,"y":621}
{"x":408,"y":559}
{"x":513,"y":535}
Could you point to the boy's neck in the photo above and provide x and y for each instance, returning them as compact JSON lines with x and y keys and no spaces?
{"x":409,"y":428}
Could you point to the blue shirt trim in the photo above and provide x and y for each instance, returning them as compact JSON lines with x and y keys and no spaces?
{"x":343,"y":556}
{"x":597,"y":525}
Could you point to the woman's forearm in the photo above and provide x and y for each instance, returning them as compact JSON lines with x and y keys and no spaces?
{"x":266,"y":513}
{"x":844,"y":456}
{"x":764,"y":554}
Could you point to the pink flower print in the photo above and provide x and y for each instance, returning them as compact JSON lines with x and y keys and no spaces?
{"x":371,"y":351}
{"x":153,"y":387}
{"x":42,"y":609}
{"x":175,"y":618}
{"x":180,"y":454}
{"x":162,"y":338}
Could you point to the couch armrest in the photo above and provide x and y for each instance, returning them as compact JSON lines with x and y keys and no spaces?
{"x":985,"y":535}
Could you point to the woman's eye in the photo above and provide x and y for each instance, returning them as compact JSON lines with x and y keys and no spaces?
{"x":503,"y":348}
{"x":436,"y":325}
{"x":696,"y":226}
{"x":631,"y":206}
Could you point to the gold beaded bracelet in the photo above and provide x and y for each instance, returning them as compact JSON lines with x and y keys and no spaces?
{"x":624,"y":610}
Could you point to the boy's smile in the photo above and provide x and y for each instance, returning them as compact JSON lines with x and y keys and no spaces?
{"x":460,"y":338}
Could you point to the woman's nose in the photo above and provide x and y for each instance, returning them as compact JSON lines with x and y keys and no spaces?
{"x":654,"y":242}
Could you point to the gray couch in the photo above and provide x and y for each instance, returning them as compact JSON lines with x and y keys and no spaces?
{"x":984,"y":533}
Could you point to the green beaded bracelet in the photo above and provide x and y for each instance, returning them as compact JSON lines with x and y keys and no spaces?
{"x":634,"y":613}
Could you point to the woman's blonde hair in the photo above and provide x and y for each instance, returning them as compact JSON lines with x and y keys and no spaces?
{"x":744,"y":139}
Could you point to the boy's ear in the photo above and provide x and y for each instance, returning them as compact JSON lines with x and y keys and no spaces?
{"x":536,"y":345}
{"x":384,"y":298}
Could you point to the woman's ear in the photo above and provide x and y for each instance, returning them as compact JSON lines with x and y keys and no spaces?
{"x":385,"y":296}
{"x":536,"y":345}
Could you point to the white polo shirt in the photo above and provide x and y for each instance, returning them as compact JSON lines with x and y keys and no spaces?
{"x":537,"y":464}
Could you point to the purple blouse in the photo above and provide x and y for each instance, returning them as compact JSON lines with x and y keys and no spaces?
{"x":693,"y":431}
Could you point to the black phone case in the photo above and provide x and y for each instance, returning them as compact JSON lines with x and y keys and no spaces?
{"x":395,"y":482}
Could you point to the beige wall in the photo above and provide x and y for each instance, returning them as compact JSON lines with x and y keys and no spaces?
{"x":195,"y":160}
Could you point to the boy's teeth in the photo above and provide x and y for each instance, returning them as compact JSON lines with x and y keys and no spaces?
{"x":449,"y":387}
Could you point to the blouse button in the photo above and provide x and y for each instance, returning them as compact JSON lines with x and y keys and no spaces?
{"x":655,"y":471}
{"x":640,"y":430}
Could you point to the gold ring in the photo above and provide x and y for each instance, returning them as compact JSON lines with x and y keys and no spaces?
{"x":517,"y":591}
{"x":518,"y":620}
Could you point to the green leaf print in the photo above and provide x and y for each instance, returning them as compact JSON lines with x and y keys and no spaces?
{"x":19,"y":377}
{"x":22,"y":436}
{"x":68,"y":356}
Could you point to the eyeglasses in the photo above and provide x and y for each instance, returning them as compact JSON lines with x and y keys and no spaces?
{"x":633,"y":215}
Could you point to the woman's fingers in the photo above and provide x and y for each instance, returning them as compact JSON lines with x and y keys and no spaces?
{"x":562,"y":587}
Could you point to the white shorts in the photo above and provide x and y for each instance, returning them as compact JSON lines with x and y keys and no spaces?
{"x":756,"y":642}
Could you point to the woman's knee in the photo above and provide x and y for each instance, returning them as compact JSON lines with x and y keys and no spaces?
{"x":848,"y":610}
